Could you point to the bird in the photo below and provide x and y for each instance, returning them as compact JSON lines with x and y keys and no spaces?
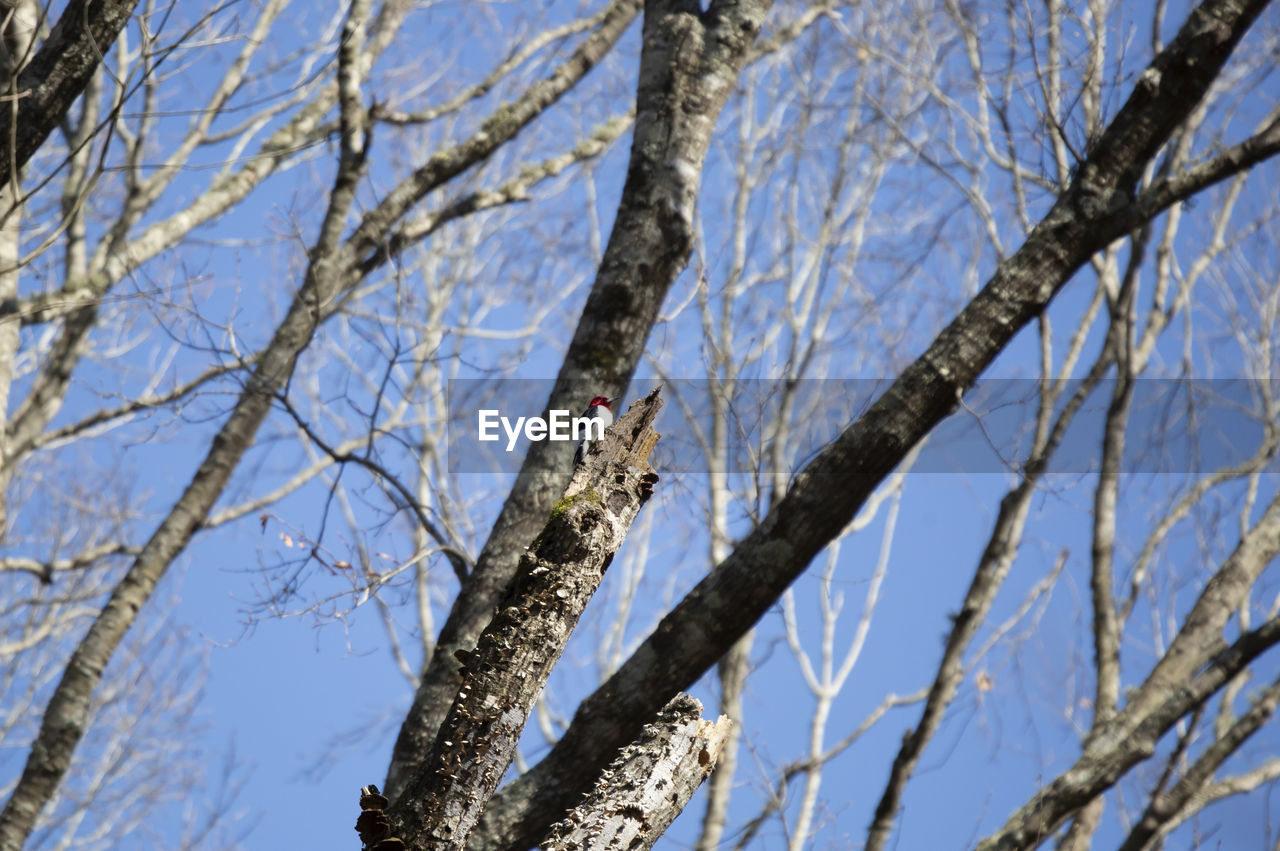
{"x":598,"y":410}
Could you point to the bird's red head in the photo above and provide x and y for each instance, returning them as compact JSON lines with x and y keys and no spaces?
{"x":600,"y":400}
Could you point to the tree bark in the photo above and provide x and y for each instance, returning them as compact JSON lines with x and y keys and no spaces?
{"x":646,"y":787}
{"x":1095,"y":772}
{"x":509,"y":667}
{"x":55,"y":77}
{"x":17,"y":35}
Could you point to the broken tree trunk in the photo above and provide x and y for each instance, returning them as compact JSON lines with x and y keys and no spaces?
{"x":642,"y":791}
{"x":513,"y":658}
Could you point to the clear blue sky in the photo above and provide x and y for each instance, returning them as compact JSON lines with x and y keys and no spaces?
{"x":312,"y":709}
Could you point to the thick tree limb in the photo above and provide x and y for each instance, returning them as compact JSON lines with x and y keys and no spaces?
{"x":645,"y":788}
{"x":1237,"y":784}
{"x":56,"y":76}
{"x":688,"y":65}
{"x":18,"y":26}
{"x":80,"y":297}
{"x":1201,"y":631}
{"x":1093,"y":212}
{"x":68,"y":710}
{"x":1197,"y":653}
{"x":501,"y":126}
{"x":558,"y":575}
{"x":1179,"y":187}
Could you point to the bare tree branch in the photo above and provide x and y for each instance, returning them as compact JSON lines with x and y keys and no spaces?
{"x":330,"y":271}
{"x":56,"y":75}
{"x":1085,"y":219}
{"x":1097,"y":771}
{"x":648,"y":785}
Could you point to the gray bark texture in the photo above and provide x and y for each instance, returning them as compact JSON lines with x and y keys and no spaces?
{"x":56,"y":75}
{"x":645,"y":788}
{"x":561,"y":525}
{"x":514,"y":657}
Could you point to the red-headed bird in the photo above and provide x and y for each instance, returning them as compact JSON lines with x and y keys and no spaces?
{"x":598,"y":410}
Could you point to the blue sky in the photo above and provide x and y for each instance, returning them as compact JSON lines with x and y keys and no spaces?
{"x":311,"y":703}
